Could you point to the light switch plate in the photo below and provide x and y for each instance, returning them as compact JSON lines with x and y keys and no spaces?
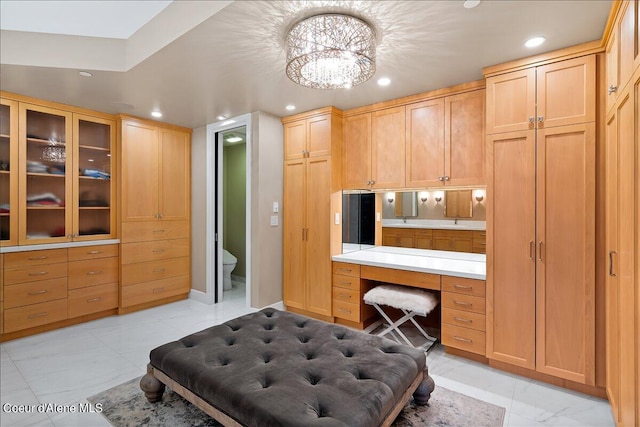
{"x":274,"y":220}
{"x":377,"y":216}
{"x":336,"y":218}
{"x":276,"y":207}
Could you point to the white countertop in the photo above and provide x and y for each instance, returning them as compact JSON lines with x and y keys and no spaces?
{"x":24,"y":248}
{"x":458,"y":264}
{"x":446,"y":224}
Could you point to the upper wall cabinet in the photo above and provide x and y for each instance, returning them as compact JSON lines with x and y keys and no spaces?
{"x":622,"y":51}
{"x":8,"y":172}
{"x":356,"y":152}
{"x":156,"y":165}
{"x":556,"y":94}
{"x":445,"y":141}
{"x":308,"y":138}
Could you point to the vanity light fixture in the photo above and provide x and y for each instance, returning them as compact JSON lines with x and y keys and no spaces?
{"x":438,"y":196}
{"x":390,"y":196}
{"x":479,"y":195}
{"x":424,"y":196}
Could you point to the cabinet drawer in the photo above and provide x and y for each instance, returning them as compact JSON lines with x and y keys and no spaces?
{"x":154,"y":230}
{"x":35,"y":292}
{"x":151,"y":291}
{"x":346,"y":310}
{"x":154,"y":270}
{"x":463,"y":302}
{"x":463,"y":338}
{"x":151,"y":251}
{"x":346,"y":295}
{"x":401,"y":277}
{"x":30,"y":258}
{"x":346,"y":282}
{"x":479,"y":235}
{"x":424,"y":242}
{"x":464,"y":319}
{"x":93,"y":252}
{"x":93,"y":299}
{"x":463,"y":286}
{"x":346,"y":269}
{"x":92,"y":272}
{"x":30,"y":316}
{"x":35,"y":273}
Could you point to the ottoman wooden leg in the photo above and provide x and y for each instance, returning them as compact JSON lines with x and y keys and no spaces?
{"x":153,"y":389}
{"x":423,"y":393}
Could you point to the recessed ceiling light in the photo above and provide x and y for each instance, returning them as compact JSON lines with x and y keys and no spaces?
{"x":470,"y":4}
{"x":290,"y":107}
{"x":227,"y":122}
{"x":535,"y":41}
{"x":156,"y":114}
{"x":85,"y":73}
{"x":222,"y":117}
{"x":384,"y":81}
{"x":234,"y":139}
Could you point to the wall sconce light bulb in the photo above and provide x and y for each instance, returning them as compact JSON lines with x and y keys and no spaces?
{"x":424,"y":199}
{"x":438,"y":199}
{"x":390,"y":200}
{"x":480,"y":197}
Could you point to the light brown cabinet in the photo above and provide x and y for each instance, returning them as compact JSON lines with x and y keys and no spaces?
{"x":452,"y":240}
{"x":347,"y":291}
{"x":155,"y":213}
{"x":308,"y":137}
{"x":399,"y":237}
{"x":463,"y":314}
{"x":541,"y":235}
{"x":556,"y":94}
{"x":8,"y":172}
{"x":309,"y":182}
{"x":437,"y":239}
{"x":622,"y":217}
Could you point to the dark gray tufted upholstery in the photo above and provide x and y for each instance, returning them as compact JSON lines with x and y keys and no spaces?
{"x":274,"y":368}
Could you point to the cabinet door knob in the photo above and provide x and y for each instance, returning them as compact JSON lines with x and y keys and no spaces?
{"x":540,"y":119}
{"x":446,"y":178}
{"x":531,"y":119}
{"x":441,"y":178}
{"x":613,"y":89}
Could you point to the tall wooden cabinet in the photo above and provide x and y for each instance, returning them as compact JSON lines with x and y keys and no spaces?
{"x":541,"y":219}
{"x":623,"y":216}
{"x":310,"y":180}
{"x":155,"y":213}
{"x":8,"y":172}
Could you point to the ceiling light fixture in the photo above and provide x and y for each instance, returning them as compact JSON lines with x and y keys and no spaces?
{"x":470,"y":4}
{"x":157,"y":114}
{"x":384,"y":81}
{"x":234,"y":139}
{"x":290,"y":107}
{"x":85,"y":73}
{"x":331,"y":51}
{"x":535,"y":41}
{"x":221,"y":117}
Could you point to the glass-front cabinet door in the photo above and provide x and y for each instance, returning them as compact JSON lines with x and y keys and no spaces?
{"x":46,"y":168}
{"x":93,"y":195}
{"x":8,"y":172}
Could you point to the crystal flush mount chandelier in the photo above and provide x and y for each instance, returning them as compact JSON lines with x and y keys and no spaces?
{"x":331,"y":51}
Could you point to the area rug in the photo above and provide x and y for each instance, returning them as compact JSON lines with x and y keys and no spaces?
{"x":125,"y":406}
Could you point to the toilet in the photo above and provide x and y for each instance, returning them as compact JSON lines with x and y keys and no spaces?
{"x":228,"y":264}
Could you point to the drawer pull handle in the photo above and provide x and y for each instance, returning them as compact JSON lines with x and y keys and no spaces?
{"x":158,"y":290}
{"x":94,"y":252}
{"x":466,"y":288}
{"x":345,"y":296}
{"x":467,"y":340}
{"x":347,"y":270}
{"x":465,"y":304}
{"x":44,"y":291}
{"x":40,"y":273}
{"x":463,"y":320}
{"x":158,"y":231}
{"x":91,"y":273}
{"x":35,"y":316}
{"x":95,"y":299}
{"x":158,"y":251}
{"x":158,"y":270}
{"x":342,"y":310}
{"x":345,"y":283}
{"x":35,"y":258}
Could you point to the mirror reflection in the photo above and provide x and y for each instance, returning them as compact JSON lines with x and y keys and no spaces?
{"x":406,"y":204}
{"x":358,"y":223}
{"x":458,"y":204}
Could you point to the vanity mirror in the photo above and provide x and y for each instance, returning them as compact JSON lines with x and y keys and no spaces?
{"x":358,"y":220}
{"x":458,"y":204}
{"x":406,"y":204}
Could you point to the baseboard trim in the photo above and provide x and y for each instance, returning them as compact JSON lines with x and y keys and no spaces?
{"x":199,"y":296}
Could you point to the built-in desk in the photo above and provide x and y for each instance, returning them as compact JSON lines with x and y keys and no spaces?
{"x":460,"y":278}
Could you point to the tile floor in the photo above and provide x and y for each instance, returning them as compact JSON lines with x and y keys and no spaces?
{"x":68,"y":365}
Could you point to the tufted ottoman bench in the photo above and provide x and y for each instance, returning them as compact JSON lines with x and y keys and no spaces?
{"x":274,"y":368}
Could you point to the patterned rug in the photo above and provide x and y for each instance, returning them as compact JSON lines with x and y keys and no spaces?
{"x":125,"y":406}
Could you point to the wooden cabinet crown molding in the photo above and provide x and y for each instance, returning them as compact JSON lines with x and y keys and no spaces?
{"x":148,"y":122}
{"x":50,"y":104}
{"x":424,"y":96}
{"x":312,"y":113}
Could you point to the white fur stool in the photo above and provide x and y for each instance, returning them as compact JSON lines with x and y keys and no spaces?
{"x":410,"y":301}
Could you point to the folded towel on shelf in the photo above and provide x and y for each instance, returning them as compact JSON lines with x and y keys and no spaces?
{"x":95,"y":173}
{"x":44,"y":199}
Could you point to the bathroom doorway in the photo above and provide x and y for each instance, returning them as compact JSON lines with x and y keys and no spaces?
{"x":222,"y":196}
{"x":234,"y":213}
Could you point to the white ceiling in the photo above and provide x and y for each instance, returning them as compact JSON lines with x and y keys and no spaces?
{"x":195,"y":60}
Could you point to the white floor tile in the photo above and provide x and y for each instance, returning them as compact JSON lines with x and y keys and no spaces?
{"x":67,"y":366}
